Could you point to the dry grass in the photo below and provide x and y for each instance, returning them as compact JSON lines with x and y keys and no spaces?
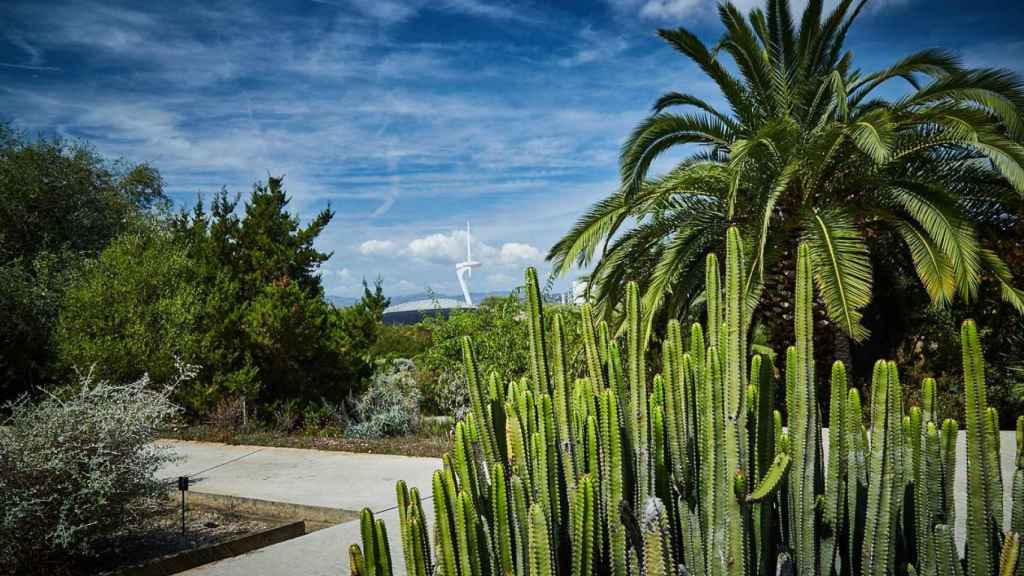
{"x":424,"y":444}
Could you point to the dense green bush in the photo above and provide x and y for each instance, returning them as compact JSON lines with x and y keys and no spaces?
{"x":266,"y":332}
{"x":75,"y":469}
{"x":132,"y":311}
{"x":62,"y":203}
{"x":693,"y":472}
{"x":401,"y":341}
{"x":390,"y":406}
{"x":497,"y":328}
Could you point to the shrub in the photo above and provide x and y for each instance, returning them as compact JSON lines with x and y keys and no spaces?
{"x":132,"y":311}
{"x":400,"y":341}
{"x":74,"y":470}
{"x":390,"y":406}
{"x":324,"y":418}
{"x":62,"y":204}
{"x":266,"y":331}
{"x":449,"y":394}
{"x":228,"y":414}
{"x":284,"y":415}
{"x":499,"y":335}
{"x":693,"y":472}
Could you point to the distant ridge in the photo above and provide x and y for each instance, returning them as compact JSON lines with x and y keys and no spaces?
{"x":342,"y":301}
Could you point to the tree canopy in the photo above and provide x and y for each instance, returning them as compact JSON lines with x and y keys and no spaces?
{"x":808,"y":148}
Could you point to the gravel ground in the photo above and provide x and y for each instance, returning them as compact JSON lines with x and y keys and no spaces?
{"x":163,"y":537}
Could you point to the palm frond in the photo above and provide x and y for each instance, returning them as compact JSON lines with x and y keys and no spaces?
{"x":677,"y":99}
{"x":1005,"y":154}
{"x":842,"y":269}
{"x":930,"y":263}
{"x":752,"y":61}
{"x":807,"y":38}
{"x":780,"y":24}
{"x":686,"y":247}
{"x":873,"y":133}
{"x":819,"y":52}
{"x":943,"y":223}
{"x":976,"y":85}
{"x":691,"y":46}
{"x":933,"y":62}
{"x":839,"y":39}
{"x":582,"y":241}
{"x":1012,"y":295}
{"x":660,"y":132}
{"x":782,"y":182}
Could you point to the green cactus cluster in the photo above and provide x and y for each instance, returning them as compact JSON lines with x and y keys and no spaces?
{"x":693,"y":471}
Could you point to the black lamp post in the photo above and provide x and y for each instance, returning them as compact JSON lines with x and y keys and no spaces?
{"x":183,"y":487}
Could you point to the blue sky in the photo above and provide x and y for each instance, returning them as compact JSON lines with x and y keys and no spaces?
{"x":408,"y":116}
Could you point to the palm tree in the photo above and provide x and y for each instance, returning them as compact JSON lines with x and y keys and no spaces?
{"x":806,"y":150}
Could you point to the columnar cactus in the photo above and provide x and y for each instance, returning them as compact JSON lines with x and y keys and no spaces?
{"x":590,"y":467}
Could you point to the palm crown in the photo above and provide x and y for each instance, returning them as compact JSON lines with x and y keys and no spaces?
{"x":807,"y":150}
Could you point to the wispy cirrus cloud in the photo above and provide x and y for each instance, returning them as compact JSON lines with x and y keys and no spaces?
{"x":682,"y":10}
{"x":395,"y":11}
{"x":377,"y":247}
{"x":408,"y":117}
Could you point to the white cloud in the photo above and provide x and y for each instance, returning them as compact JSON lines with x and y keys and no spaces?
{"x":490,"y":10}
{"x":501,"y":279}
{"x":450,"y":248}
{"x":516,"y":253}
{"x":376,"y":247}
{"x":406,"y":286}
{"x":444,"y":248}
{"x":395,"y":11}
{"x":595,"y":46}
{"x":388,"y":11}
{"x":678,"y":10}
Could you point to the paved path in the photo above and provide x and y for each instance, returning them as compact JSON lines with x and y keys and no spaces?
{"x":352,"y":481}
{"x":310,"y":477}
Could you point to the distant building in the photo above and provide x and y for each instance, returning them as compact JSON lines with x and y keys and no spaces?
{"x":579,"y":292}
{"x":413,"y":312}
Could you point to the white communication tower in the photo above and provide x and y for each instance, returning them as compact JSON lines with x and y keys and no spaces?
{"x":464,"y":270}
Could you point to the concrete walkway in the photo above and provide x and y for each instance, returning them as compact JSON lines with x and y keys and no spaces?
{"x":309,"y":477}
{"x":353,"y":481}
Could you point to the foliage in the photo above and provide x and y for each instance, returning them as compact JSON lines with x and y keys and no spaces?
{"x":495,"y":325}
{"x":447,"y":394}
{"x":926,"y":339}
{"x":74,"y":470}
{"x":693,"y":472}
{"x":808,"y":149}
{"x":497,"y":328}
{"x":390,"y":406}
{"x":359,"y":326}
{"x":266,"y":331}
{"x":28,"y":312}
{"x":62,"y":202}
{"x":401,"y":341}
{"x":132,"y":311}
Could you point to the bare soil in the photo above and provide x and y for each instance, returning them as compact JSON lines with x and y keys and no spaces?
{"x":433,"y":445}
{"x":162,"y":537}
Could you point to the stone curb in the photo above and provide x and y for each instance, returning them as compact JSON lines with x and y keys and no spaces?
{"x":317,"y":516}
{"x":189,"y":559}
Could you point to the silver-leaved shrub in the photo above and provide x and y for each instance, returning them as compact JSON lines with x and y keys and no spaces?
{"x":78,"y":467}
{"x":390,"y":406}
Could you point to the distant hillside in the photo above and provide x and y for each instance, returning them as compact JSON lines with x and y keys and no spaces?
{"x":399,"y":299}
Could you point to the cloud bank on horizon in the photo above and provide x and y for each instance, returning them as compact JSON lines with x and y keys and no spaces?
{"x":409,"y":117}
